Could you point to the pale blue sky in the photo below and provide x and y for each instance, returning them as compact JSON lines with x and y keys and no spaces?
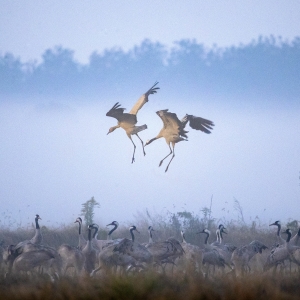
{"x":27,"y":28}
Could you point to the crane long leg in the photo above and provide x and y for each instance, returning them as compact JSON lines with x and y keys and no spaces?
{"x":171,"y":158}
{"x":142,"y":144}
{"x":133,"y":149}
{"x":166,"y":156}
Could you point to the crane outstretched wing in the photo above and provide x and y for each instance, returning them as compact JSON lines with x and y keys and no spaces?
{"x":116,"y":111}
{"x":200,"y":123}
{"x":143,"y":99}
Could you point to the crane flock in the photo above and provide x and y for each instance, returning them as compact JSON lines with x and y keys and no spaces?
{"x":124,"y":255}
{"x":173,"y":130}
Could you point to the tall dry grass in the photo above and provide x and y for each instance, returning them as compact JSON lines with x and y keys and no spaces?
{"x":153,"y":286}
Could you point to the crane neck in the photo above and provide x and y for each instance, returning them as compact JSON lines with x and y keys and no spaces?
{"x":220,"y":236}
{"x":150,"y":237}
{"x":183,"y":238}
{"x":79,"y":228}
{"x":37,"y":226}
{"x":132,"y":235}
{"x":96,"y":232}
{"x":206,"y":239}
{"x":288,"y":237}
{"x":89,"y":234}
{"x":278,"y":229}
{"x":111,"y":231}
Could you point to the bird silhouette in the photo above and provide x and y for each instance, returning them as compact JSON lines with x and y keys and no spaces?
{"x":173,"y":129}
{"x":127,"y":121}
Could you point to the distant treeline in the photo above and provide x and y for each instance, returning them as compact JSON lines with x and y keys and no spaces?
{"x":267,"y":66}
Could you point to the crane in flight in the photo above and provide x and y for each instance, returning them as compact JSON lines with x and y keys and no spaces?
{"x":128,"y":121}
{"x":173,"y":130}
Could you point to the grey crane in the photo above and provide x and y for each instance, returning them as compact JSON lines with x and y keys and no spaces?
{"x":219,"y":232}
{"x":150,"y":230}
{"x":241,"y":256}
{"x":128,"y":121}
{"x":211,"y":256}
{"x":281,"y":243}
{"x":173,"y":130}
{"x":72,"y":257}
{"x":100,"y":244}
{"x":37,"y":239}
{"x":192,"y":260}
{"x":225,"y":250}
{"x":89,"y":252}
{"x":279,"y":254}
{"x":110,"y":258}
{"x":31,"y":256}
{"x":162,"y":251}
{"x":27,"y":261}
{"x":132,"y":248}
{"x":280,"y":239}
{"x":116,"y":225}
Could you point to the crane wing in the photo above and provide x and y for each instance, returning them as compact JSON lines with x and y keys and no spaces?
{"x":143,"y":99}
{"x":124,"y":246}
{"x":200,"y":123}
{"x":116,"y":111}
{"x":169,"y":119}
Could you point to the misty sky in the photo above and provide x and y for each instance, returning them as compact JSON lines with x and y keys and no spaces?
{"x":55,"y":153}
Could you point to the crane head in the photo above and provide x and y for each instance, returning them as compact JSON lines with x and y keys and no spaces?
{"x":111,"y":129}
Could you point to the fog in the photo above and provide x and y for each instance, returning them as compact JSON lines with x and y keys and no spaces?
{"x":57,"y":155}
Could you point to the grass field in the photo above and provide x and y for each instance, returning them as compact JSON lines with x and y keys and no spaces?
{"x":181,"y":284}
{"x":153,"y":286}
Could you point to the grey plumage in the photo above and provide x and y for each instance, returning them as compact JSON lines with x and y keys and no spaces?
{"x":89,"y":253}
{"x":211,"y":256}
{"x":192,"y":260}
{"x":134,"y":249}
{"x":241,"y":256}
{"x":72,"y":257}
{"x":279,"y":254}
{"x":37,"y":239}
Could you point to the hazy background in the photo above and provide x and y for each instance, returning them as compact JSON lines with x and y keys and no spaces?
{"x":63,"y":64}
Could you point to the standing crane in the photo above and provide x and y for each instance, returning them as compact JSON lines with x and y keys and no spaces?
{"x":127,"y":121}
{"x":173,"y":130}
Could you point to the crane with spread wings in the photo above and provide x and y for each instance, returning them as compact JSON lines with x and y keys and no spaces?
{"x":173,"y":129}
{"x":128,"y":121}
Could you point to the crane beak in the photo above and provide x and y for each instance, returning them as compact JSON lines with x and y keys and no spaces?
{"x":272,"y":224}
{"x":137,"y":231}
{"x":109,"y":224}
